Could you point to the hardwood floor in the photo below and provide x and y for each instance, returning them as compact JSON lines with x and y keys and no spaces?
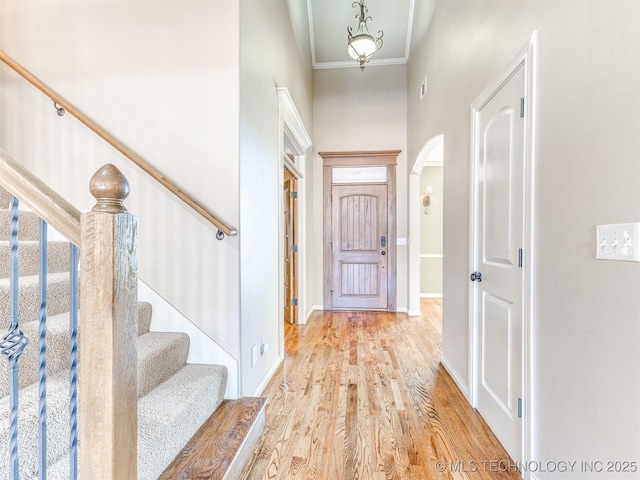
{"x":361,"y":395}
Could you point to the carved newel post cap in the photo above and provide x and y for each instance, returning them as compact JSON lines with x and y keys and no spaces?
{"x":110,"y":187}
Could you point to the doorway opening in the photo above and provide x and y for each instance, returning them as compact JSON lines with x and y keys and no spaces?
{"x":294,"y":145}
{"x":502,"y":262}
{"x":426,"y":255}
{"x":431,"y":224}
{"x":359,"y":228}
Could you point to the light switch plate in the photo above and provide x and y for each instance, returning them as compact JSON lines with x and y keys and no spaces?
{"x":401,"y":241}
{"x":618,"y":242}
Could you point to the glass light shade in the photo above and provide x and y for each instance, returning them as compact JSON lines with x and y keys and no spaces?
{"x":361,"y":45}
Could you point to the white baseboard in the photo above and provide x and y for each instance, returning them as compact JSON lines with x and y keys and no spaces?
{"x":430,"y":295}
{"x":462,"y":385}
{"x":414,"y":313}
{"x":401,"y":310}
{"x":313,"y":308}
{"x":267,"y":376}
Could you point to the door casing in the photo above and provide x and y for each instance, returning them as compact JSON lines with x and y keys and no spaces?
{"x":526,"y":57}
{"x":388,"y":159}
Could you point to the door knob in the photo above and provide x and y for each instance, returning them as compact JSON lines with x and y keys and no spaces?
{"x":476,"y":277}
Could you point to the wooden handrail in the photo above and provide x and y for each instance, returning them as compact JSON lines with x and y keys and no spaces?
{"x":145,"y":166}
{"x":38,"y":196}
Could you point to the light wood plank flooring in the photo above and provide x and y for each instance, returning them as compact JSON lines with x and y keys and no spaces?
{"x":361,"y":395}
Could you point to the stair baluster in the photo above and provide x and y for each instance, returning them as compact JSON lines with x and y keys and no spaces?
{"x":73,"y":362}
{"x":13,"y":344}
{"x":42,"y":353}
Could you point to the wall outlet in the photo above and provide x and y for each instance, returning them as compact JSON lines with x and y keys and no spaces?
{"x":618,"y":242}
{"x":254,"y":355}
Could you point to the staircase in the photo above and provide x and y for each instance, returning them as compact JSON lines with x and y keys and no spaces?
{"x":174,"y":398}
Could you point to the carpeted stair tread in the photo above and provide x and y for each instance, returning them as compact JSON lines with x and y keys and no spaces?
{"x":57,"y":296}
{"x":57,"y":352}
{"x":57,"y":426}
{"x":5,"y":198}
{"x":29,"y":257}
{"x":172,"y":413}
{"x":57,"y":347}
{"x":28,"y":225}
{"x":167,"y":418}
{"x":145,"y":312}
{"x":160,"y":355}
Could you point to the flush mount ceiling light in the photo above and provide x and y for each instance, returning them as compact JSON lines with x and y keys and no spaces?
{"x":362,"y":45}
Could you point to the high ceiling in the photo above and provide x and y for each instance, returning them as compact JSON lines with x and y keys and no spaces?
{"x":402,"y":21}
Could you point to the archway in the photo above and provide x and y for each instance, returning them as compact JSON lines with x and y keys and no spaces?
{"x":431,"y":155}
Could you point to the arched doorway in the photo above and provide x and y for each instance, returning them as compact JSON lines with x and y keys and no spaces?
{"x":425,"y":254}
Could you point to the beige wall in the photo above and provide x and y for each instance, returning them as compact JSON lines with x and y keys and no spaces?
{"x":586,"y":359}
{"x":156,"y":76}
{"x":355,"y":110}
{"x":172,"y":81}
{"x":262,"y":69}
{"x":431,"y":224}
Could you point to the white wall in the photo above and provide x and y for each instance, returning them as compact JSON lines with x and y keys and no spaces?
{"x":586,"y":403}
{"x":360,"y":110}
{"x":271,"y":56}
{"x":157,"y":77}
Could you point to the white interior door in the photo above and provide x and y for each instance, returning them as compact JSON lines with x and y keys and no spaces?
{"x":499,"y":277}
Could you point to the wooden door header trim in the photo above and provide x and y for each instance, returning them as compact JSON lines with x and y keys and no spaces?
{"x":373,"y":153}
{"x":380,"y":157}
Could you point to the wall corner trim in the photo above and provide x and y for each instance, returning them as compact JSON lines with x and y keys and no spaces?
{"x":457,"y":378}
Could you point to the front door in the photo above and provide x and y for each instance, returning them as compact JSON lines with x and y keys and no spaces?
{"x":500,"y":233}
{"x":359,"y":246}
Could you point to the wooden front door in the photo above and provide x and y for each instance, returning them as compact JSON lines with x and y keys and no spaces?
{"x":359,"y":246}
{"x":291,"y":246}
{"x":359,"y":232}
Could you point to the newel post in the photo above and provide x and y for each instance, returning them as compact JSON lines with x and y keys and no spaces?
{"x":108,"y":332}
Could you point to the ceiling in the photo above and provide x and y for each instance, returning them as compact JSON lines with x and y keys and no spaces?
{"x":400,"y":20}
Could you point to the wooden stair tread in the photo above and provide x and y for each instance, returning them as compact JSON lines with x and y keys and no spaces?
{"x":225,"y":437}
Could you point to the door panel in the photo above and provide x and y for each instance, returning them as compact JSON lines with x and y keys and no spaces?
{"x":359,"y":260}
{"x":498,"y":169}
{"x":499,"y":182}
{"x":291,"y":256}
{"x":495,"y":378}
